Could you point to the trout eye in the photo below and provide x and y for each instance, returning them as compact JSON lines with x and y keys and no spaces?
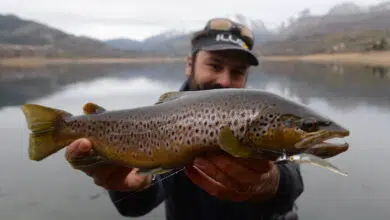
{"x":309,"y":125}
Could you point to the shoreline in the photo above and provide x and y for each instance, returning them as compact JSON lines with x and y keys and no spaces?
{"x":363,"y":58}
{"x":42,"y":61}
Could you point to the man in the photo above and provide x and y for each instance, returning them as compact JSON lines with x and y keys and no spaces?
{"x":216,"y":186}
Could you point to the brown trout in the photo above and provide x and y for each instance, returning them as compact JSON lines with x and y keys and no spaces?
{"x":244,"y":123}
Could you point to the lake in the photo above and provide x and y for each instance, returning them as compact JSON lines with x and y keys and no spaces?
{"x":356,"y":96}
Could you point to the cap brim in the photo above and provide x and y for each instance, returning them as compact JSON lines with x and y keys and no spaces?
{"x":216,"y":47}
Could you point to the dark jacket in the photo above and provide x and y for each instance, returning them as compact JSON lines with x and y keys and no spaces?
{"x":186,"y":201}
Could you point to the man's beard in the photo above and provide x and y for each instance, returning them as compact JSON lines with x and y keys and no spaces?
{"x":194,"y":86}
{"x":206,"y":86}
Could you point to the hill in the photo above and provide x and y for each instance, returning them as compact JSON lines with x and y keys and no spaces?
{"x":347,"y":27}
{"x":20,"y":37}
{"x":177,"y":42}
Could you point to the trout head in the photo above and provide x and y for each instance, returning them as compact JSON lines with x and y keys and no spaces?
{"x":295,"y":128}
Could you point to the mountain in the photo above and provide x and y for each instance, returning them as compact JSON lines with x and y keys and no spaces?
{"x":177,"y":42}
{"x":346,"y":27}
{"x":20,"y":37}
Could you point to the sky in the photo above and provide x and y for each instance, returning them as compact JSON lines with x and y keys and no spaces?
{"x":102,"y":19}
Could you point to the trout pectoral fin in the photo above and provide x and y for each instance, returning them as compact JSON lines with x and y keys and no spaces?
{"x":316,"y":161}
{"x":229,"y":143}
{"x":92,"y":108}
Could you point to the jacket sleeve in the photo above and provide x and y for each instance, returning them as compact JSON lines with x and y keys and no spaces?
{"x":135,"y":204}
{"x":290,"y":188}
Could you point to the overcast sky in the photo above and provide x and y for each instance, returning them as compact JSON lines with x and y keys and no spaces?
{"x":138,"y":19}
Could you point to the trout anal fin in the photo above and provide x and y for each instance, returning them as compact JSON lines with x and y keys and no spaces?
{"x":88,"y":161}
{"x":316,"y":161}
{"x":230,"y":144}
{"x":92,"y":108}
{"x":152,"y":171}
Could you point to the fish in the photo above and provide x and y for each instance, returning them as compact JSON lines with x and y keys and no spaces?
{"x":181,"y":125}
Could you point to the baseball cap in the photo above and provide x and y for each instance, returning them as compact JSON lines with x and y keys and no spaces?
{"x":225,"y":34}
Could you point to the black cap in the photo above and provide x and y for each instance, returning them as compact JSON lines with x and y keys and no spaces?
{"x":222,"y":40}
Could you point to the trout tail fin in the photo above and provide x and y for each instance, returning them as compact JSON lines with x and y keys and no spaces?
{"x":43,"y":122}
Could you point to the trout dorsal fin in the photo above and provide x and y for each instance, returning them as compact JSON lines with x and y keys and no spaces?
{"x":92,"y":108}
{"x":172,"y":95}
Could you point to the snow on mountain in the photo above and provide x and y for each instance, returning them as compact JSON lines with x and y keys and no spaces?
{"x":178,"y":39}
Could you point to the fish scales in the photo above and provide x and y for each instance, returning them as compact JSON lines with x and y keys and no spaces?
{"x":242,"y":122}
{"x":177,"y":127}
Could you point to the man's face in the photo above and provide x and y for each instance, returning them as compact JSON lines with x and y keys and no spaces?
{"x":219,"y":69}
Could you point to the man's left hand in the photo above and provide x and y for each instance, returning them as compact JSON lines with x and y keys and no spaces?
{"x":235,"y":179}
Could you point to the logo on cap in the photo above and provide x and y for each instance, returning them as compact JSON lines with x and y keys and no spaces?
{"x":232,"y":39}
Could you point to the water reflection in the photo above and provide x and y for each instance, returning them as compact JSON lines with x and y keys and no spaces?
{"x":21,"y":85}
{"x":342,"y":87}
{"x":51,"y":190}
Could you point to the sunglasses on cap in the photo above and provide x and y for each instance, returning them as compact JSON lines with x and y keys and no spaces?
{"x":224,"y":24}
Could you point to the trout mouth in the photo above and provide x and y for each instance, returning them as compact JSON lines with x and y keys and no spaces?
{"x":318,"y":140}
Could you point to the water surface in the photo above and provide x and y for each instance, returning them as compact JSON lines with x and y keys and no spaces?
{"x":358,"y":97}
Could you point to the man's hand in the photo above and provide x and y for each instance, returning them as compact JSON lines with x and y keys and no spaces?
{"x":110,"y":177}
{"x":235,"y":179}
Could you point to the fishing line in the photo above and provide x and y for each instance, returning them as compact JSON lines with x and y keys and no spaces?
{"x":152,"y":184}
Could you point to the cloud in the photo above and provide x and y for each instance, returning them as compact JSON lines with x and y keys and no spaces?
{"x":139,"y":19}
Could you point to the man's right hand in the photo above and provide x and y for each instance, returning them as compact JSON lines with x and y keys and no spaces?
{"x":110,"y":177}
